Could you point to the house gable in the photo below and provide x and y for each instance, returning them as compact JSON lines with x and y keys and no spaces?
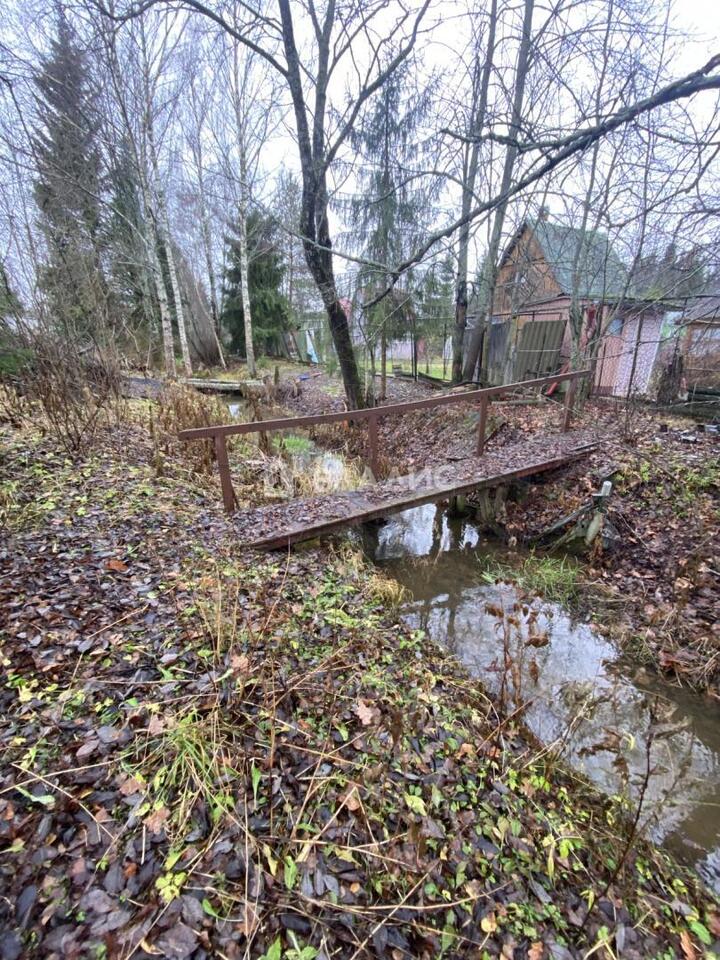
{"x":524,"y":274}
{"x":539,"y":262}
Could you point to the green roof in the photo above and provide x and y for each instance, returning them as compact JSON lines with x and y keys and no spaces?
{"x":602,"y":273}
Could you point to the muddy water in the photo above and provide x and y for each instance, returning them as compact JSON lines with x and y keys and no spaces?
{"x":579,"y":695}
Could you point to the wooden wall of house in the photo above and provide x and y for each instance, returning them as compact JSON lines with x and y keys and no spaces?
{"x":523,"y":277}
{"x":702,"y":354}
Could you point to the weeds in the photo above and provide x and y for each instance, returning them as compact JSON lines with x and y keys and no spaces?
{"x":187,"y":761}
{"x":183,"y":408}
{"x":293,"y":444}
{"x":556,"y":579}
{"x":76,"y":391}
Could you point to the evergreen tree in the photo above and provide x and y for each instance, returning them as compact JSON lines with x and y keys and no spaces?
{"x":388,"y":211}
{"x":304,"y":301}
{"x":268,"y":304}
{"x":68,"y":186}
{"x":436,"y":296}
{"x":127,"y":239}
{"x":436,"y":307}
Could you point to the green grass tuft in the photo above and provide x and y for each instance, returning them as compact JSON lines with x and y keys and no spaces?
{"x":553,"y":578}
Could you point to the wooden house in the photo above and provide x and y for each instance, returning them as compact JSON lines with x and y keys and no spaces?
{"x":699,"y":323}
{"x":544,"y":268}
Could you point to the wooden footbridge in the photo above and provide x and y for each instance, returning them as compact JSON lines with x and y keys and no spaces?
{"x":281,"y":524}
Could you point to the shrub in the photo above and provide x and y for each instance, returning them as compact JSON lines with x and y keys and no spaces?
{"x":183,"y":408}
{"x":77,"y":389}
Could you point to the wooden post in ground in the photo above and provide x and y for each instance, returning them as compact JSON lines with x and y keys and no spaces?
{"x":482,"y":425}
{"x":373,"y":446}
{"x":228,"y":494}
{"x":569,"y":400}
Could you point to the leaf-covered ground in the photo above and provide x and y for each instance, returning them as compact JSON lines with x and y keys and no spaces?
{"x":209,"y":753}
{"x":661,"y":576}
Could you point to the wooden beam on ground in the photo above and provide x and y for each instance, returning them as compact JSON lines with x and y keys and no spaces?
{"x":214,"y":386}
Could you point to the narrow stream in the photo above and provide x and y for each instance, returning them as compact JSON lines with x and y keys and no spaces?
{"x":576,"y":688}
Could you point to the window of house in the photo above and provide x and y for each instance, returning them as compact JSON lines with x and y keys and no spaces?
{"x":615,"y":327}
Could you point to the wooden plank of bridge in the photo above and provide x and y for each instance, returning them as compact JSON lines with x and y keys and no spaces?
{"x":217,"y":386}
{"x":273,"y":527}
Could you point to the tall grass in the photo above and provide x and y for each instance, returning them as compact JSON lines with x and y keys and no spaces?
{"x":553,"y":578}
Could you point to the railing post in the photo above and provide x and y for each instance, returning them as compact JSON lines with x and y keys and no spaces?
{"x":228,"y":494}
{"x":482,"y":424}
{"x":373,"y":445}
{"x":569,"y":400}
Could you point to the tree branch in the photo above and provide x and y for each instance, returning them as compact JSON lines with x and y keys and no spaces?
{"x":137,"y":10}
{"x":370,"y":89}
{"x":574,"y":143}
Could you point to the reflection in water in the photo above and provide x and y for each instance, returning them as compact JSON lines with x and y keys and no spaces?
{"x":569,"y":677}
{"x":238,"y":408}
{"x":421,"y":532}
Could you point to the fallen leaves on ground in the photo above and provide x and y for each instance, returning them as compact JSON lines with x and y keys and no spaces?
{"x":214,"y":753}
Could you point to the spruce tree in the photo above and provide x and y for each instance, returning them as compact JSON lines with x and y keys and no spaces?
{"x":304,"y":301}
{"x":268,"y":304}
{"x":127,"y":233}
{"x":68,"y":187}
{"x":389,"y":209}
{"x":436,"y":308}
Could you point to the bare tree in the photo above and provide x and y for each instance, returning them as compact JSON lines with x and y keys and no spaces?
{"x":483,"y":56}
{"x":345,"y":41}
{"x":151,"y":65}
{"x":489,"y":273}
{"x":252,"y":96}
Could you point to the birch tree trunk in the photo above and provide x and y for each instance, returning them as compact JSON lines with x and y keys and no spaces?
{"x":163,"y":230}
{"x":244,"y":289}
{"x":241,"y":120}
{"x":154,"y":192}
{"x":179,"y":312}
{"x":207,"y":249}
{"x":165,"y":319}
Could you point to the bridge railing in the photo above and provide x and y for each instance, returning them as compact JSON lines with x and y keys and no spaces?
{"x":219,"y":433}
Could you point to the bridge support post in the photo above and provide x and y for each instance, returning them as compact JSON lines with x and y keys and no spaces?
{"x":482,"y":425}
{"x":457,"y":505}
{"x":569,"y":401}
{"x":228,"y":494}
{"x":373,"y":446}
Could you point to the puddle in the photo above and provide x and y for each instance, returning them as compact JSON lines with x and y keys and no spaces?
{"x":301,"y":468}
{"x":576,"y":689}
